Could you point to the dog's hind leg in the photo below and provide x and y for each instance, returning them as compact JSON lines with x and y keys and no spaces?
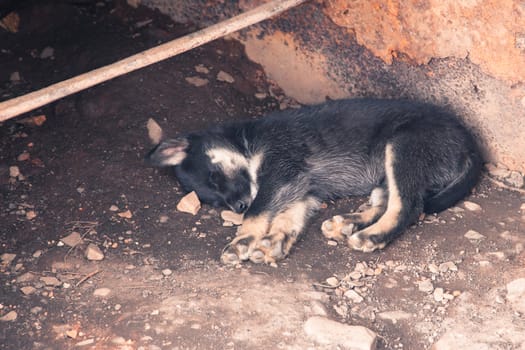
{"x":340,"y":227}
{"x":403,"y":206}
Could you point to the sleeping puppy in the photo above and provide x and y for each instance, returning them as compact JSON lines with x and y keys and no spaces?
{"x":412,"y":158}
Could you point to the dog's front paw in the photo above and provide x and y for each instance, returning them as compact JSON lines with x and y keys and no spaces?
{"x":364,"y":242}
{"x":267,"y":249}
{"x":337,"y":228}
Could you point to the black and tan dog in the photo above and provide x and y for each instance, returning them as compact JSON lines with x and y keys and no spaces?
{"x":277,"y":170}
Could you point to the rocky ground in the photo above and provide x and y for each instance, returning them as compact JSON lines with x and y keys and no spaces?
{"x":93,"y":253}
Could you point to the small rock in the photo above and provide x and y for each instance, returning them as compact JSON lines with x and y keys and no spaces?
{"x":438,"y":294}
{"x":353,"y":296}
{"x":426,"y":286}
{"x":230,"y":216}
{"x":355,"y":275}
{"x":26,"y":277}
{"x":72,"y":333}
{"x":87,"y":341}
{"x":225,"y":77}
{"x":37,"y":120}
{"x":190,"y":203}
{"x":31,"y":214}
{"x":28,"y":290}
{"x":473,"y":235}
{"x":47,"y":52}
{"x":394,"y":316}
{"x":167,"y":272}
{"x":7,"y":258}
{"x":332,"y":281}
{"x":163,"y":219}
{"x":72,"y":240}
{"x":134,"y":3}
{"x":125,"y":214}
{"x":328,"y":332}
{"x":14,"y":171}
{"x":200,"y":68}
{"x":516,"y":294}
{"x":498,"y":173}
{"x":10,"y":316}
{"x":36,"y":310}
{"x":37,"y":254}
{"x":331,"y":243}
{"x":433,"y":268}
{"x":94,"y":253}
{"x":22,"y":157}
{"x":102,"y":292}
{"x":51,"y":281}
{"x":261,"y":95}
{"x":472,"y":206}
{"x":197,"y":81}
{"x":515,"y":179}
{"x":447,"y":266}
{"x":14,"y":77}
{"x":113,"y":208}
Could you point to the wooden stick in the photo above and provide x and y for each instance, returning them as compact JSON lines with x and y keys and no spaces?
{"x":28,"y":102}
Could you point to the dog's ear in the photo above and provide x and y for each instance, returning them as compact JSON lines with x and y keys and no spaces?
{"x":169,"y":152}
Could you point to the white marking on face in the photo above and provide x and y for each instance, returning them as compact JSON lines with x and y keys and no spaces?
{"x":254,"y":164}
{"x":231,"y":161}
{"x":228,"y":160}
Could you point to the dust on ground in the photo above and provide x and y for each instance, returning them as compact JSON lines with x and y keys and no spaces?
{"x":159,"y":284}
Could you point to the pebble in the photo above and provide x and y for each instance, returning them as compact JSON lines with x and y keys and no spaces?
{"x":474,"y":235}
{"x":85,"y":342}
{"x":261,"y":95}
{"x":7,"y":258}
{"x":353,"y":296}
{"x":23,"y":156}
{"x":28,"y":290}
{"x":331,"y":243}
{"x":225,"y":77}
{"x":37,"y":253}
{"x":355,"y":275}
{"x":515,"y":179}
{"x":167,"y":272}
{"x":51,"y":281}
{"x":438,"y":294}
{"x":14,"y":171}
{"x":190,"y":203}
{"x":197,"y":81}
{"x":113,"y":208}
{"x":200,"y":68}
{"x":125,"y":214}
{"x":30,"y":215}
{"x":447,"y":266}
{"x":472,"y":206}
{"x":230,"y":216}
{"x":163,"y":219}
{"x":10,"y":316}
{"x":332,"y":281}
{"x":72,"y":239}
{"x":14,"y":77}
{"x":433,"y":268}
{"x":47,"y":52}
{"x":394,"y":316}
{"x":426,"y":286}
{"x":102,"y":292}
{"x":94,"y":253}
{"x":334,"y":334}
{"x":516,"y":294}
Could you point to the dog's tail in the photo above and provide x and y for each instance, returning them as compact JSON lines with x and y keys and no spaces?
{"x":457,"y":189}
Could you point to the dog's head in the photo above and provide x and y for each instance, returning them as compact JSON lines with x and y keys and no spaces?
{"x":211,"y":166}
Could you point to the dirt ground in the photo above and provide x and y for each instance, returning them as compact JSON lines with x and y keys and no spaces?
{"x":159,"y":284}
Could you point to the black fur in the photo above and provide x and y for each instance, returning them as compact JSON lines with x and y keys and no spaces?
{"x":329,"y":151}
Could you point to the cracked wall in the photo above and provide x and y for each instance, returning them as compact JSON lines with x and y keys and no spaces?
{"x":469,"y":54}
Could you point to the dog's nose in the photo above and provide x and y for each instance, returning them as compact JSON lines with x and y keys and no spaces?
{"x":240,"y":207}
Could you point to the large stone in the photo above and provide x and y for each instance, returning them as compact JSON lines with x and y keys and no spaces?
{"x":516,"y":294}
{"x":328,"y":332}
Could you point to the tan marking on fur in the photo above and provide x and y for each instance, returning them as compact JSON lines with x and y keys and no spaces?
{"x":390,"y":218}
{"x":256,"y":226}
{"x":366,"y":216}
{"x":173,"y":156}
